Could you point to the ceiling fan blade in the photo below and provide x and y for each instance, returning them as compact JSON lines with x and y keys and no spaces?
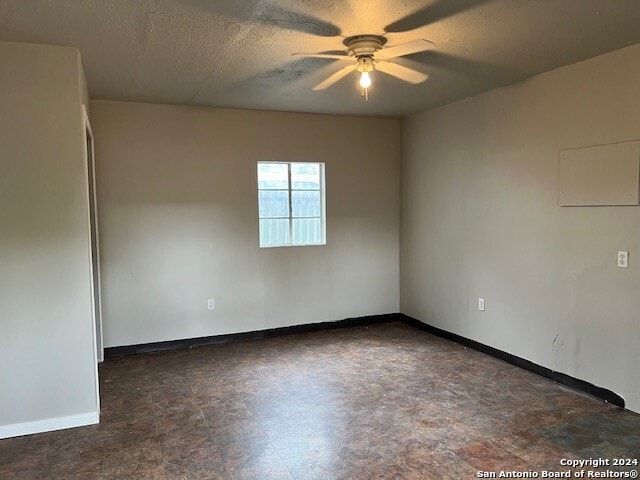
{"x":293,"y":20}
{"x":339,"y":75}
{"x":403,"y":73}
{"x":405,"y":49}
{"x":263,"y":13}
{"x":323,"y":55}
{"x":465,"y":66}
{"x":437,"y":10}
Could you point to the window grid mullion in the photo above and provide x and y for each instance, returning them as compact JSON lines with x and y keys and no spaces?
{"x":290,"y":204}
{"x":290,"y":218}
{"x":322,"y":202}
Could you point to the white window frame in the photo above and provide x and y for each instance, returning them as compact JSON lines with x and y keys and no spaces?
{"x":290,"y":217}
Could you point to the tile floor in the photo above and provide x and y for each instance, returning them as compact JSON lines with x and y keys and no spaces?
{"x":385,"y":401}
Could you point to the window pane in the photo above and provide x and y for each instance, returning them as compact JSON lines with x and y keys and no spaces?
{"x":307,"y":230}
{"x":274,"y":232}
{"x":305,"y":176}
{"x":273,"y":176}
{"x":306,"y":204}
{"x":273,"y":203}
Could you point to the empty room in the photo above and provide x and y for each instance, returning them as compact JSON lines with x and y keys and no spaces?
{"x":292,"y":240}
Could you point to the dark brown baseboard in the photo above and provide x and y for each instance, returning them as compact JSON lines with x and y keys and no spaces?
{"x":567,"y":380}
{"x":572,"y":382}
{"x":253,"y":335}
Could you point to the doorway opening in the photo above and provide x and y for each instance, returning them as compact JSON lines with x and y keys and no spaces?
{"x":96,"y":297}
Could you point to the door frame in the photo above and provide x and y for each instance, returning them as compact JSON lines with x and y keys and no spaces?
{"x":96,"y":290}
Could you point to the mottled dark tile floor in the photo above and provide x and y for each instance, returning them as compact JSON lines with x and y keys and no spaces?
{"x":385,"y":401}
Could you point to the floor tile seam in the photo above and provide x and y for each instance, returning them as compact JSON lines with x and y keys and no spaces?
{"x":459,"y":459}
{"x":269,"y":440}
{"x":44,"y":462}
{"x":209,"y":430}
{"x":511,"y":449}
{"x":267,"y":437}
{"x":277,"y":452}
{"x":159,"y":437}
{"x":40,"y":470}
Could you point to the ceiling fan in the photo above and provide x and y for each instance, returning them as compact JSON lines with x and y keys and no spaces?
{"x":366,"y":53}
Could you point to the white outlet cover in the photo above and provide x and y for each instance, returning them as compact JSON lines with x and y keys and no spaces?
{"x":623,"y":259}
{"x":481,"y":304}
{"x":211,"y":304}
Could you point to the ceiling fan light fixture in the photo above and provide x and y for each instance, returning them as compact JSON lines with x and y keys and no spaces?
{"x":366,"y":53}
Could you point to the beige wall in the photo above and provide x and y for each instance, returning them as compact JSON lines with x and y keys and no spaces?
{"x":480,"y":218}
{"x":46,"y":340}
{"x":178,"y":221}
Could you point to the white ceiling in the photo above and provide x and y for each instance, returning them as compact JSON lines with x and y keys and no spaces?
{"x":238,"y":53}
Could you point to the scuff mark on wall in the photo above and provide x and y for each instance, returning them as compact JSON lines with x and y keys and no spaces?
{"x":556,"y":345}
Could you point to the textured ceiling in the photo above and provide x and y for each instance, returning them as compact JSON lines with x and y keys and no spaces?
{"x":238,"y":53}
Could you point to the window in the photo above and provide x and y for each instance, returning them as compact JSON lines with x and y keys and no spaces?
{"x":291,"y":203}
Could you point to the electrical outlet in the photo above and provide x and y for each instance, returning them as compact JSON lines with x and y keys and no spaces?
{"x":623,"y":259}
{"x":211,"y":304}
{"x":481,"y":304}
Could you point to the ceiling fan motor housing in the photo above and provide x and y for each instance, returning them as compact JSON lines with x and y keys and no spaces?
{"x":362,"y":46}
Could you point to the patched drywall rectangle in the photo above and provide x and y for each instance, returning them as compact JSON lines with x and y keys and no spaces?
{"x":600,"y":175}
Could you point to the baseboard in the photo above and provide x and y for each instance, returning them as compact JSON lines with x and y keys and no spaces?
{"x":252,"y":335}
{"x":567,"y":380}
{"x":41,"y":426}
